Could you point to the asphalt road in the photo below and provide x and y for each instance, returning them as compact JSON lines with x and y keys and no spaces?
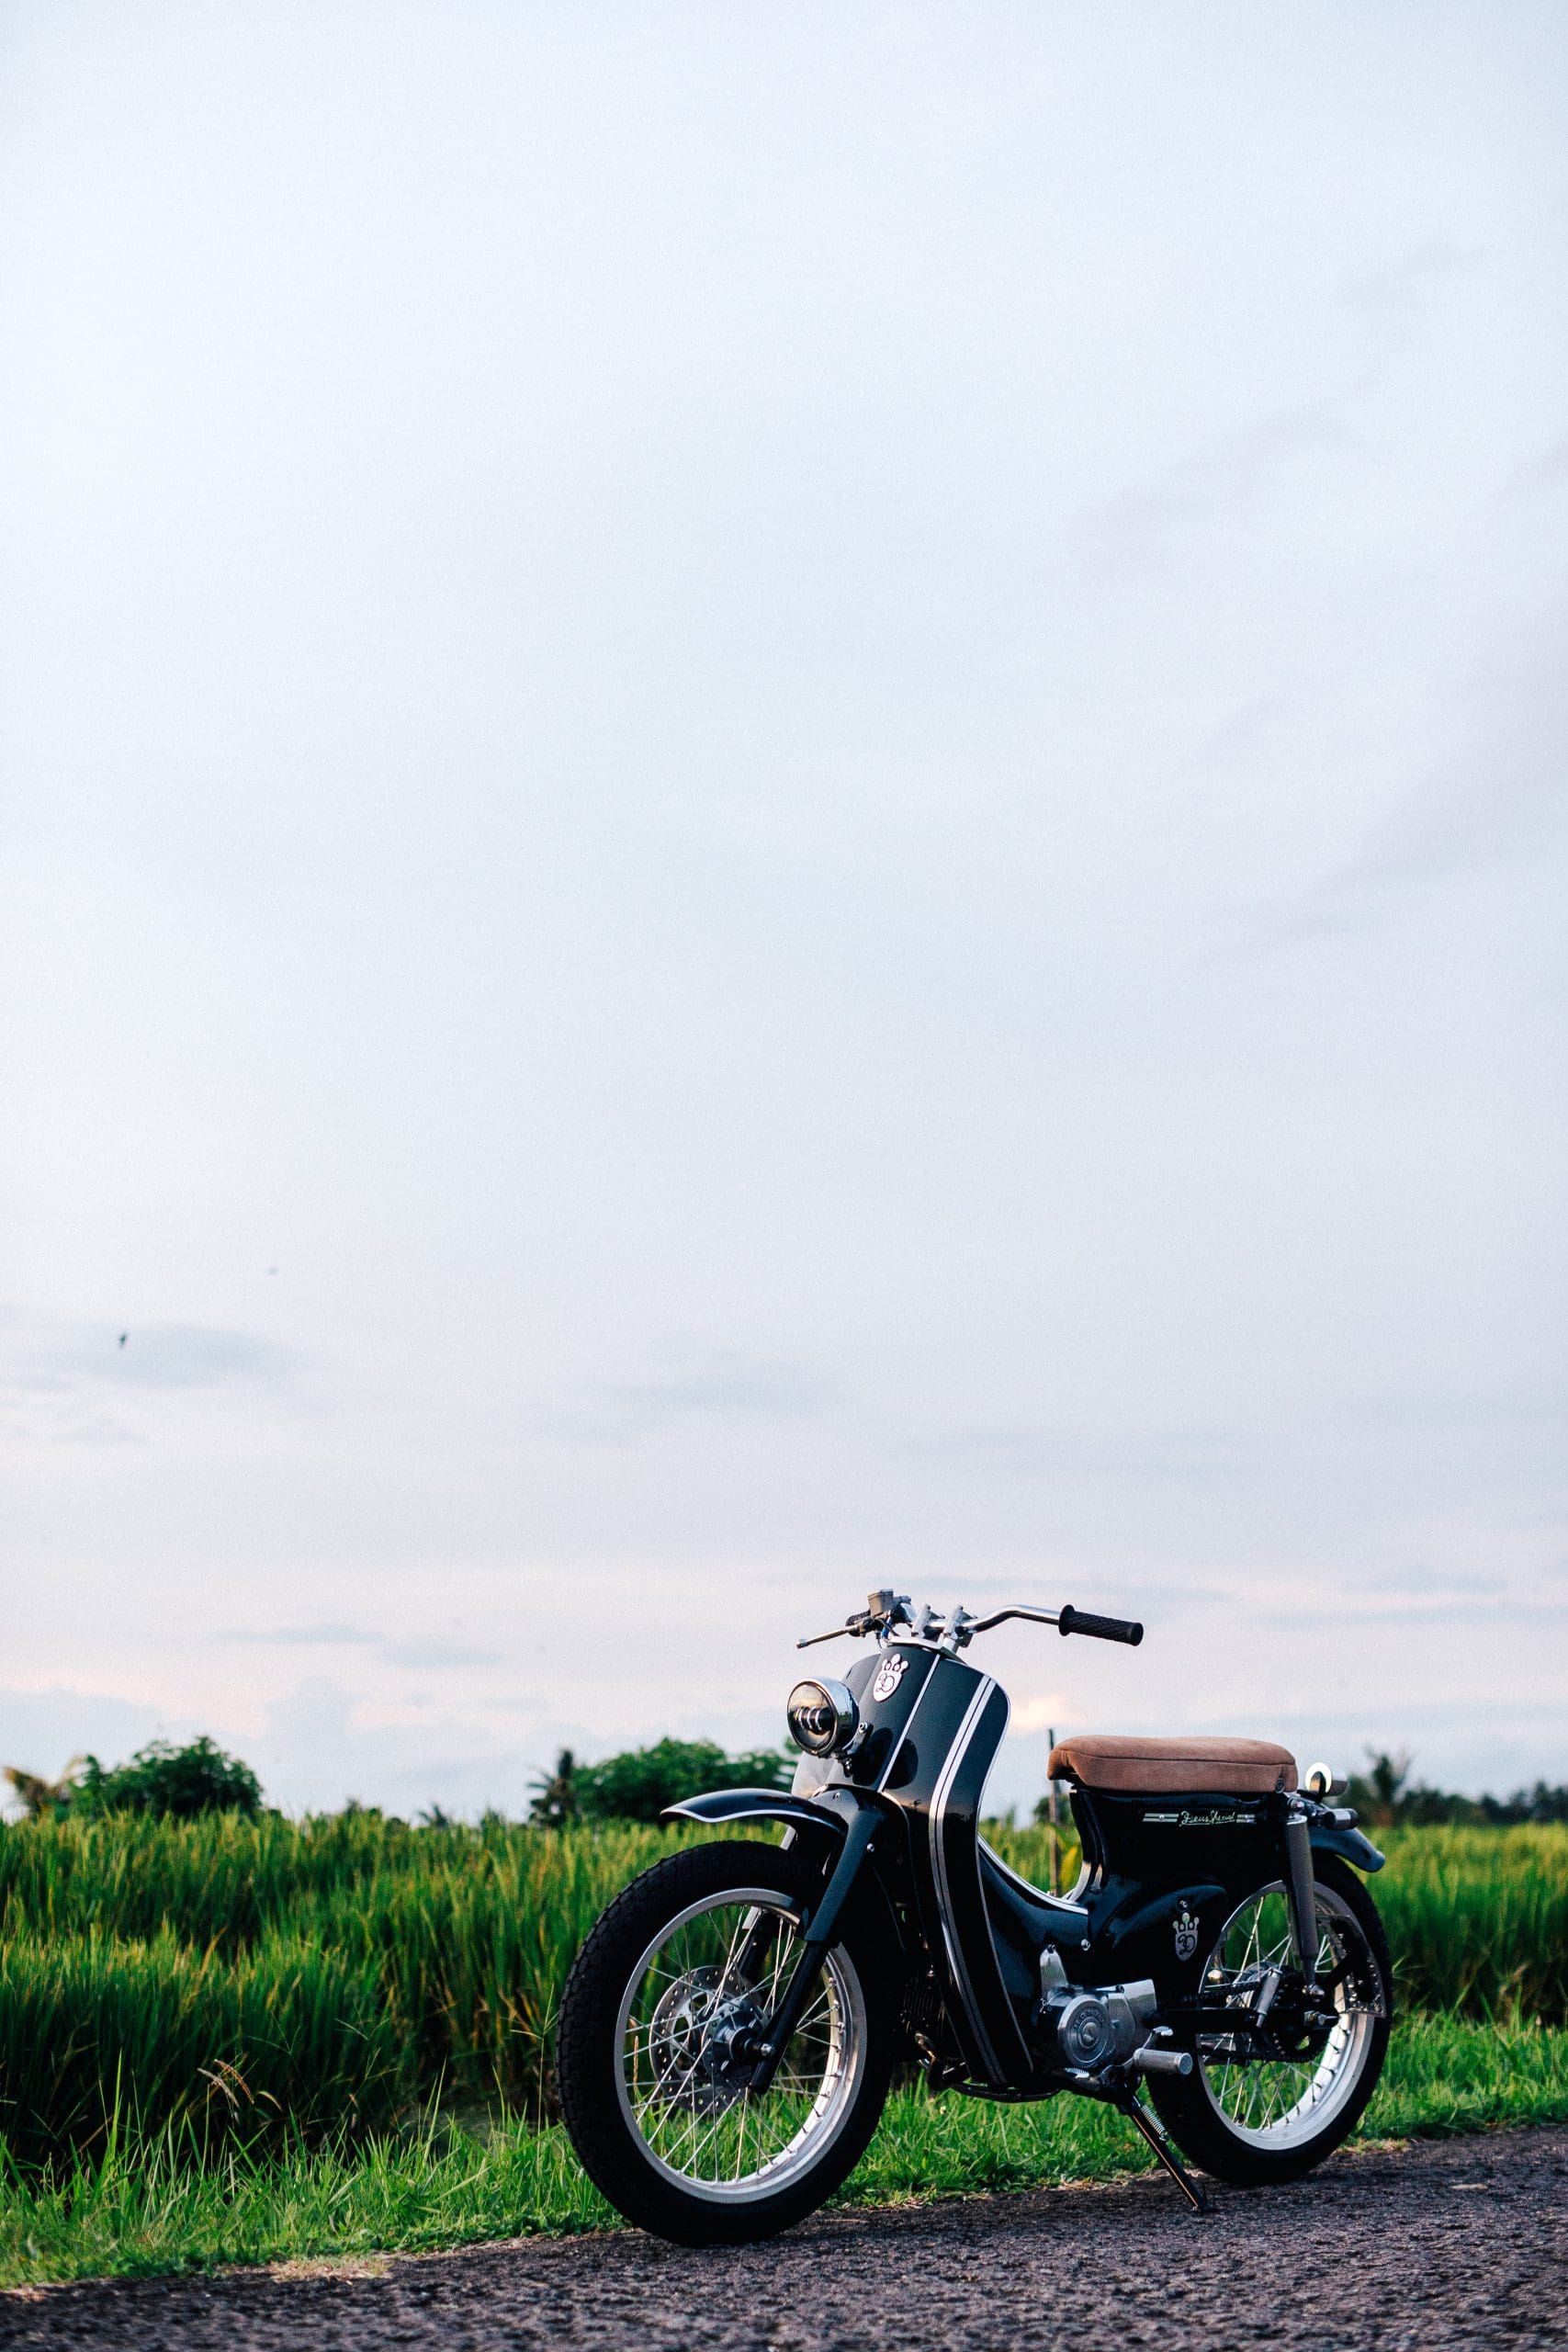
{"x":1464,"y":2242}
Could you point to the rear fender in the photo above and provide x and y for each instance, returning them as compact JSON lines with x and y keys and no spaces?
{"x":1331,"y":1837}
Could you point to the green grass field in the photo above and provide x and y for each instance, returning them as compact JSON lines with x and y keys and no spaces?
{"x":224,"y":2041}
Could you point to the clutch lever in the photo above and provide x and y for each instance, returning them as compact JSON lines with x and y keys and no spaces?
{"x":887,"y":1609}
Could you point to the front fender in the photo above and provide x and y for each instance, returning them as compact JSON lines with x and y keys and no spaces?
{"x":1328,"y":1837}
{"x":822,"y":1823}
{"x":755,"y":1804}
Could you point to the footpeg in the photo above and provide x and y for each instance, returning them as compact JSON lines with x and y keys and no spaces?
{"x":1153,"y":2058}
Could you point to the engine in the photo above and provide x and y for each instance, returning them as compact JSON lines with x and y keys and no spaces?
{"x":1085,"y":2028}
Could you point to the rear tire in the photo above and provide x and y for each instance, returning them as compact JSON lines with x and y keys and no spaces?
{"x":1261,"y":2122}
{"x":690,"y":1952}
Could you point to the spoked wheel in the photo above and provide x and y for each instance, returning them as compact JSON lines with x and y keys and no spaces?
{"x":1254,"y":2117}
{"x":657,"y":2043}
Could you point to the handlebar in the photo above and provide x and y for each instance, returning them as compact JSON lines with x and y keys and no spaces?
{"x":1104,"y":1629}
{"x":887,"y":1610}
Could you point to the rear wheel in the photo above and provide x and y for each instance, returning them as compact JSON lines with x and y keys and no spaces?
{"x":1255,"y":2119}
{"x":652,"y":2060}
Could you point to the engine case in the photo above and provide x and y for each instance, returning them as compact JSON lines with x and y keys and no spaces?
{"x":1100,"y":2026}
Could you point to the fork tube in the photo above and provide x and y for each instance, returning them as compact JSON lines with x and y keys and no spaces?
{"x":820,"y":1931}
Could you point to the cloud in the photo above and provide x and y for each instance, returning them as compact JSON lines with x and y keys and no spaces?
{"x":41,"y":1729}
{"x":1543,"y":472}
{"x":1043,"y":1713}
{"x":319,"y":1744}
{"x":70,"y":1381}
{"x":301,"y":1636}
{"x":191,"y":1355}
{"x":1422,"y":1582}
{"x":1154,"y":1455}
{"x":1400,"y":287}
{"x":1226,"y":472}
{"x":434,"y":1655}
{"x":1503,"y":801}
{"x":726,"y":1384}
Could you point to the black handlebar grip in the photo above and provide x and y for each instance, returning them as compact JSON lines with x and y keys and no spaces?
{"x":1104,"y":1629}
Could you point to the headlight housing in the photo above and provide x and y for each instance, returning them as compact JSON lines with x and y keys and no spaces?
{"x":822,"y":1716}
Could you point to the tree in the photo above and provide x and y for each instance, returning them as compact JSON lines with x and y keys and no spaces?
{"x":172,"y":1783}
{"x":638,"y":1784}
{"x":1385,"y":1796}
{"x":44,"y":1800}
{"x":554,"y":1797}
{"x":1378,"y":1792}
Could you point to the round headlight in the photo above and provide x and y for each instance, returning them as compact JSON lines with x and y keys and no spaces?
{"x":821,"y":1716}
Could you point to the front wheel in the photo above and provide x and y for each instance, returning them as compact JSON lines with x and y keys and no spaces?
{"x":1255,"y":2118}
{"x":651,"y":2053}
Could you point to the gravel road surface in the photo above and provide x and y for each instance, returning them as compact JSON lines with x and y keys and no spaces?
{"x":1461,"y":2242}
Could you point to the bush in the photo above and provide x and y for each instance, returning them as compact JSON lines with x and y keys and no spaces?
{"x":637,"y":1785}
{"x":172,"y":1783}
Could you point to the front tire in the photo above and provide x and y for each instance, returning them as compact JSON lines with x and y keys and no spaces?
{"x":692,"y":1953}
{"x":1259,"y":2121}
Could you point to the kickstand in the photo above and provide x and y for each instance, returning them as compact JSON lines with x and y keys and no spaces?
{"x":1138,"y":2115}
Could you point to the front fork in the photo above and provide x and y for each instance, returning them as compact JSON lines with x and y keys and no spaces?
{"x":1300,"y":1889}
{"x":820,"y":1929}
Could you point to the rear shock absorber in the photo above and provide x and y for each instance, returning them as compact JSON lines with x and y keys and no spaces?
{"x":1301,"y":1888}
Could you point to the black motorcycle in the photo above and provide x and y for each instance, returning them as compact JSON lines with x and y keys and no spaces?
{"x":731,"y":2025}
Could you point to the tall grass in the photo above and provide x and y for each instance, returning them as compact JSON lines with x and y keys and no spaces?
{"x":1478,"y":1919}
{"x":150,"y":2208}
{"x":249,"y":1984}
{"x":290,"y":2037}
{"x":253,"y":1979}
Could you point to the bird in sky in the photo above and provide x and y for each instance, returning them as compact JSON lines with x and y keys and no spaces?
{"x":123,"y":1337}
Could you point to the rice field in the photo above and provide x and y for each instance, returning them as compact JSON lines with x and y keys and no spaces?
{"x":225,"y":1984}
{"x":228,"y":2041}
{"x":1477,"y":1919}
{"x":272,"y":1980}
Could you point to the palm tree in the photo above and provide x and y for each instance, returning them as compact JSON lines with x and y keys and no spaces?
{"x":41,"y":1799}
{"x":555,"y":1798}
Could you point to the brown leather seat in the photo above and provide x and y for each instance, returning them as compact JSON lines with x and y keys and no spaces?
{"x":1234,"y":1768}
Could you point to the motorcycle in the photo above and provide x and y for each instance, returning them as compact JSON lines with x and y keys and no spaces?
{"x":731,"y":2025}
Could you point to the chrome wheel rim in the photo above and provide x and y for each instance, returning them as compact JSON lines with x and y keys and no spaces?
{"x":1279,"y":2104}
{"x":709,"y":1976}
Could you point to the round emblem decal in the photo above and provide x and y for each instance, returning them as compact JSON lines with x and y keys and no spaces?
{"x":887,"y":1675}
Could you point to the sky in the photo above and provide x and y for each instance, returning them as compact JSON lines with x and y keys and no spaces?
{"x":782,"y":807}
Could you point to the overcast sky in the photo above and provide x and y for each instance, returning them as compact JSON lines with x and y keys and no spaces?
{"x":783,"y":798}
